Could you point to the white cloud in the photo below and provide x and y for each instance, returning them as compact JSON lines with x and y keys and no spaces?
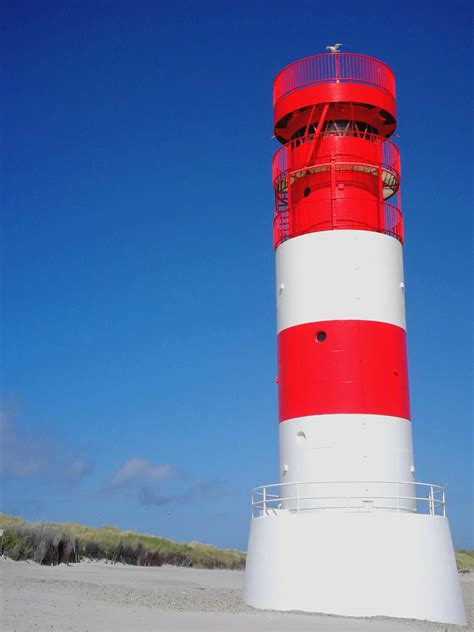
{"x":141,"y":471}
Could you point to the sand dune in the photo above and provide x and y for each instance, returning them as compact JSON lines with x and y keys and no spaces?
{"x":95,"y":596}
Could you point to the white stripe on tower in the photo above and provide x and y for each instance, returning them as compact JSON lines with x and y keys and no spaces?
{"x":340,"y":275}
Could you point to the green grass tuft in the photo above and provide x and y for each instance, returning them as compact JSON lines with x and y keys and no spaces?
{"x":465,"y":560}
{"x":16,"y":546}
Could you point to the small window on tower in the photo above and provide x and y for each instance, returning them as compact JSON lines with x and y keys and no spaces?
{"x":321,"y":336}
{"x":307,"y":191}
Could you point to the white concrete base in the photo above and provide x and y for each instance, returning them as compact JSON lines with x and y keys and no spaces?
{"x":354,"y":564}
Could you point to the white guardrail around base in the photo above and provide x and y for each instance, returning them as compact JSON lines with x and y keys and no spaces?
{"x":400,"y":496}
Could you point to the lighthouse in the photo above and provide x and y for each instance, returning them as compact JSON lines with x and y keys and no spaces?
{"x":347,"y":530}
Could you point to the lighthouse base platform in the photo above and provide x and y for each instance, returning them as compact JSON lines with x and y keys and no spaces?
{"x":354,"y":564}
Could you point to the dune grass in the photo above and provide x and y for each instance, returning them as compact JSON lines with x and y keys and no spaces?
{"x":53,"y":543}
{"x":465,"y":560}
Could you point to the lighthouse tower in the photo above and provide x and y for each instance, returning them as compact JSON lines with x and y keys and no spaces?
{"x":347,"y":530}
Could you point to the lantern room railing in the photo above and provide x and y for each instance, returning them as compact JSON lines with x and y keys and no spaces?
{"x":333,"y":67}
{"x":368,"y":160}
{"x":365,"y":150}
{"x":390,"y":222}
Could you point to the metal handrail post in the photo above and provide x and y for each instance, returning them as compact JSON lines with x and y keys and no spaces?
{"x":298,"y":497}
{"x":265,"y":500}
{"x":444,"y":503}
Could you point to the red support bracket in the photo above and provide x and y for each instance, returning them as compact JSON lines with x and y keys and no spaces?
{"x":317,"y":134}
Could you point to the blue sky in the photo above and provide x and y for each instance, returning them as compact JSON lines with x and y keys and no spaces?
{"x":138,"y":334}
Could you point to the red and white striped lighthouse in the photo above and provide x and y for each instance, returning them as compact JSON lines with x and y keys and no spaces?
{"x":347,"y":485}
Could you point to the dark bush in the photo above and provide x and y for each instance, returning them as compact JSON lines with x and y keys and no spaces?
{"x":178,"y":558}
{"x":92,"y":550}
{"x":149,"y":558}
{"x":125,"y":553}
{"x":44,"y":545}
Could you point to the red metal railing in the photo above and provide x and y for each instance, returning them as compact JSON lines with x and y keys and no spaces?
{"x":393,"y":220}
{"x":390,"y":222}
{"x":333,"y":67}
{"x":364,"y":150}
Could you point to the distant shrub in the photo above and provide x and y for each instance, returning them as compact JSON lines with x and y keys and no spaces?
{"x":45,"y":545}
{"x":15,"y":546}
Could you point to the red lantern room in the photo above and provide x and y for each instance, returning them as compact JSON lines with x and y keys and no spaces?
{"x":337,"y":169}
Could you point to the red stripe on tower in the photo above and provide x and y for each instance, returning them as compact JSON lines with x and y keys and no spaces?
{"x":343,"y":366}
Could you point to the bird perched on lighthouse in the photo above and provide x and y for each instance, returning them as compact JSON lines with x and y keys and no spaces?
{"x":335,"y":48}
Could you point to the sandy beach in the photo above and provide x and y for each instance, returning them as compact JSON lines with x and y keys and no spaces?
{"x":96,"y":596}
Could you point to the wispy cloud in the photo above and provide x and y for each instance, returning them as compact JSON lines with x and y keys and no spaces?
{"x":77,"y":469}
{"x":139,"y":471}
{"x":26,"y":454}
{"x":160,"y":484}
{"x":204,"y":489}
